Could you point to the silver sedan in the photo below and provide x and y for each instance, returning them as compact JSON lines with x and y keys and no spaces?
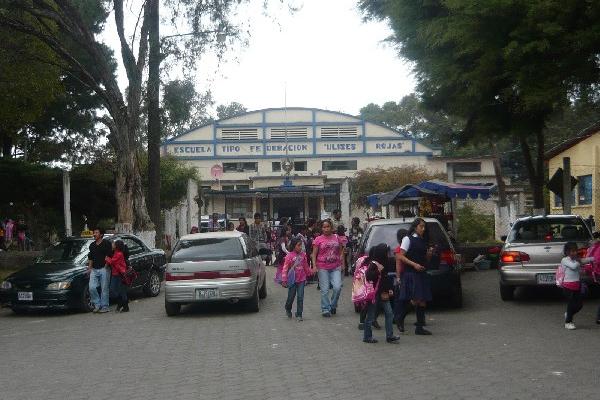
{"x":215,"y":266}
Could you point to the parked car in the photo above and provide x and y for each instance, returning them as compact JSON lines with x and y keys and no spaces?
{"x":58,"y":279}
{"x":534,"y":248}
{"x":215,"y":266}
{"x":444,"y":267}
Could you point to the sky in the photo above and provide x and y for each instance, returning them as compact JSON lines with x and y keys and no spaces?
{"x":322,"y":55}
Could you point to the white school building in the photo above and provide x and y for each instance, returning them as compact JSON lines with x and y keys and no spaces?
{"x":243,"y":162}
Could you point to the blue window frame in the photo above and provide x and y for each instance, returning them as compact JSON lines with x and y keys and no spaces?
{"x":558,"y":199}
{"x":584,"y":194}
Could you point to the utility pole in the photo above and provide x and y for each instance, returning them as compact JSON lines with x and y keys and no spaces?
{"x":566,"y":198}
{"x":67,"y":203}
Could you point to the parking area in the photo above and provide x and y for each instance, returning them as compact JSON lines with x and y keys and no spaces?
{"x":487,"y":349}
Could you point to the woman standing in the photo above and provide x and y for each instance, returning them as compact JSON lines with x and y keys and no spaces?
{"x":414,"y":282}
{"x":243,"y":226}
{"x":327,"y":256}
{"x":118,"y":266}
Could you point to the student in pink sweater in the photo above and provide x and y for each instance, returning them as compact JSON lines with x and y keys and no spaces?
{"x":118,"y":266}
{"x":594,"y":252}
{"x":293,"y":276}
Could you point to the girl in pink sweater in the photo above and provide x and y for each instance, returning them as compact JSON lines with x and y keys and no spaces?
{"x":118,"y":266}
{"x":594,"y":252}
{"x":293,"y":276}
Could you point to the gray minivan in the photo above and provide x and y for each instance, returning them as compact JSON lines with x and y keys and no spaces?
{"x":534,"y":248}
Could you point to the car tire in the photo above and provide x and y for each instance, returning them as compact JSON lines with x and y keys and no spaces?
{"x":262,"y":294}
{"x":507,"y":293}
{"x":253,"y":304}
{"x":172,"y":309}
{"x":85,"y":303}
{"x":152,"y":286}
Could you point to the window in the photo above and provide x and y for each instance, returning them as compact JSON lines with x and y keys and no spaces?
{"x":349,"y":165}
{"x":300,"y":166}
{"x":584,"y":189}
{"x":239,"y":134}
{"x":228,"y":187}
{"x":240,"y":167}
{"x":239,"y":207}
{"x":550,"y":229}
{"x":276,"y":166}
{"x":339,"y":132}
{"x":558,"y":199}
{"x":242,"y":187}
{"x":466,"y":166}
{"x":133,"y":246}
{"x":292,"y":133}
{"x":208,"y":249}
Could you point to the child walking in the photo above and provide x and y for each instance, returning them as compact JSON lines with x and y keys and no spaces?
{"x":293,"y":276}
{"x":594,"y":252}
{"x":572,"y":282}
{"x":118,"y":268}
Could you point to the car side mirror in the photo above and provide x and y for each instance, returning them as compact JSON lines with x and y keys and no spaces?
{"x":503,"y":238}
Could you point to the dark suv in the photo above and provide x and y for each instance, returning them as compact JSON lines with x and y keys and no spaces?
{"x":443,"y":268}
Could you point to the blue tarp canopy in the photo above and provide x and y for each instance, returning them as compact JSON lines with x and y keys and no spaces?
{"x":433,"y":188}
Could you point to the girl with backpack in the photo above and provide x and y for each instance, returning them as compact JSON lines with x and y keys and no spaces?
{"x":375,"y":274}
{"x":571,"y":282}
{"x":118,"y":268}
{"x":293,"y":276}
{"x":414,"y":254}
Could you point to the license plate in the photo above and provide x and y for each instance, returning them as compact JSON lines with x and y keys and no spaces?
{"x":202,"y":294}
{"x":546,"y":279}
{"x":25,"y":296}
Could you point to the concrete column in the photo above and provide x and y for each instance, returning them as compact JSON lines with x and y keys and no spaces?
{"x":305,"y":207}
{"x":345,"y":202}
{"x":193,"y":216}
{"x":254,"y":208}
{"x":271,"y":207}
{"x":67,"y":203}
{"x":182,"y":219}
{"x":321,"y":205}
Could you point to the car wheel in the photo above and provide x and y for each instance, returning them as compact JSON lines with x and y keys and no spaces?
{"x":85,"y":303}
{"x":172,"y":309}
{"x":253,"y":304}
{"x":152,"y":287}
{"x":263,"y":289}
{"x":507,"y":293}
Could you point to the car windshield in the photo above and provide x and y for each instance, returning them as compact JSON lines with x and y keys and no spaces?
{"x":65,"y":251}
{"x":549,"y":230}
{"x":387,"y":234}
{"x":208,"y":249}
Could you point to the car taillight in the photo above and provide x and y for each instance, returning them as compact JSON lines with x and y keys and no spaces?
{"x":582,"y":252}
{"x":181,"y":276}
{"x":514,"y":256}
{"x":447,"y":256}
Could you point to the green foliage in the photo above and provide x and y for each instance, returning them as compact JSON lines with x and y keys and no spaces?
{"x":376,"y":180}
{"x":183,"y":108}
{"x":230,"y":110}
{"x":474,"y":227}
{"x":174,"y":175}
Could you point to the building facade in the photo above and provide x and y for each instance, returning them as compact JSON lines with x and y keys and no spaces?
{"x":584,"y":153}
{"x":297,"y":162}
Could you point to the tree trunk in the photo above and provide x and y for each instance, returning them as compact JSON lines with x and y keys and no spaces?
{"x":536,"y":175}
{"x":499,"y":179}
{"x":154,"y":119}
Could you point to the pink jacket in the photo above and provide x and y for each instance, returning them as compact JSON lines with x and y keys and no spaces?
{"x":297,"y":261}
{"x":594,"y":251}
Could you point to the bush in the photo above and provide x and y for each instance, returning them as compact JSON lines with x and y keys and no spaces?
{"x":474,"y":227}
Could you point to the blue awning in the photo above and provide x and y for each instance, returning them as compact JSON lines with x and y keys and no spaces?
{"x":433,"y":188}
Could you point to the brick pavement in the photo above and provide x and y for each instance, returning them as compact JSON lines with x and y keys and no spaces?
{"x":489,"y":349}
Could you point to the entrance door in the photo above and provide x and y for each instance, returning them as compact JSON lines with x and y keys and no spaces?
{"x":290,"y":208}
{"x":313,"y":207}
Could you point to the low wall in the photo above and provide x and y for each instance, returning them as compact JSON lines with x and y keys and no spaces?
{"x":13,"y":260}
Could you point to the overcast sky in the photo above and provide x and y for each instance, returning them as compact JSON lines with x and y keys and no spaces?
{"x":322,"y":56}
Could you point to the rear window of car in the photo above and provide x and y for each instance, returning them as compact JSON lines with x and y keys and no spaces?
{"x":208,"y":249}
{"x":388,"y":234}
{"x":549,"y":230}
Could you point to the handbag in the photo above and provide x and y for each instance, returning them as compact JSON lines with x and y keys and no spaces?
{"x":129,"y":276}
{"x":560,"y":275}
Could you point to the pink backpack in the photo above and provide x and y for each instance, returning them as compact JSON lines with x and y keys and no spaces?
{"x":363,"y":291}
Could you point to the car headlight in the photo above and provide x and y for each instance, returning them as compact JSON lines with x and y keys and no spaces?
{"x":59,"y":285}
{"x":6,"y":285}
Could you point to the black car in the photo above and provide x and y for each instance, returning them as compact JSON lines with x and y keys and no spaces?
{"x":58,"y":279}
{"x":443,"y":268}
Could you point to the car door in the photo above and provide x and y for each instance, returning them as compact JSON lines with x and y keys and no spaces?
{"x":140,"y":259}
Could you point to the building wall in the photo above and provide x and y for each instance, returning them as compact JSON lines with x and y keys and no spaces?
{"x":585,"y":160}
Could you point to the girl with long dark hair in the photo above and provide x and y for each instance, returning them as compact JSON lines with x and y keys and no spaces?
{"x":118,"y":264}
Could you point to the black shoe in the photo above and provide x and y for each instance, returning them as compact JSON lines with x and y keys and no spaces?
{"x":119,"y":307}
{"x":333,"y":311}
{"x":392,"y":339}
{"x":370,"y":340}
{"x":361,"y":326}
{"x":326,"y":314}
{"x":125,"y":308}
{"x":376,"y":325}
{"x":421,"y":331}
{"x":288,"y":313}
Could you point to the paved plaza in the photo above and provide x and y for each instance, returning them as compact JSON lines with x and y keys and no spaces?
{"x":488,"y":349}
